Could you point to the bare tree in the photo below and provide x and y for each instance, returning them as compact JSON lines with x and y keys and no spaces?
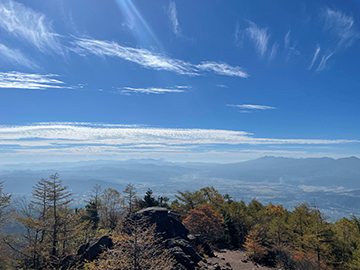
{"x":137,"y":246}
{"x":130,"y":198}
{"x":111,"y":208}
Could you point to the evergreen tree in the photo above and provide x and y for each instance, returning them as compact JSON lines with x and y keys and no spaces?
{"x":187,"y":200}
{"x":92,"y":214}
{"x":148,"y":200}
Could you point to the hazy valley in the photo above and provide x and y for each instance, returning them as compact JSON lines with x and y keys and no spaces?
{"x":332,"y":185}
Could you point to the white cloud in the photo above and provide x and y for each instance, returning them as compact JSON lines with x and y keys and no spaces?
{"x":343,"y":34}
{"x":84,"y":141}
{"x":151,"y":60}
{"x":70,"y":134}
{"x":223,"y":69}
{"x":259,"y":36}
{"x":341,"y":26}
{"x":324,"y":59}
{"x":239,"y":36}
{"x":29,"y":81}
{"x":152,"y":90}
{"x":251,"y":107}
{"x":291,"y":48}
{"x":28,"y":25}
{"x":173,"y":18}
{"x":316,"y":54}
{"x":273,"y":51}
{"x":15,"y":57}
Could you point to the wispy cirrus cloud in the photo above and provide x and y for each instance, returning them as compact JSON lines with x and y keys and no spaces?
{"x":20,"y":80}
{"x":29,"y":26}
{"x":239,"y":36}
{"x":247,"y":108}
{"x":273,"y":51}
{"x":259,"y":36}
{"x":153,"y":90}
{"x":172,"y":13}
{"x":341,"y":26}
{"x":315,"y":57}
{"x":150,"y":60}
{"x":290,"y":47}
{"x":15,"y":57}
{"x":323,"y":61}
{"x":222,"y":69}
{"x":343,"y":33}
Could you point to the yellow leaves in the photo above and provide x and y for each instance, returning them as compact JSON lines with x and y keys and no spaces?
{"x":254,"y":246}
{"x":275,"y":210}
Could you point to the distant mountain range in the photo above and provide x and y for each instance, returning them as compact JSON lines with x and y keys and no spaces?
{"x":309,"y":171}
{"x":327,"y":172}
{"x":332,"y":183}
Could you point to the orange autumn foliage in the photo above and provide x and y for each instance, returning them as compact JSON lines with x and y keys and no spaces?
{"x":204,"y":221}
{"x":254,"y":247}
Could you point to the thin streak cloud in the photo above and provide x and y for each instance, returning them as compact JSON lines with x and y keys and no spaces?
{"x":223,"y":69}
{"x":30,"y":26}
{"x":150,"y":60}
{"x":251,"y":107}
{"x":15,"y":57}
{"x":173,"y":18}
{"x":316,"y":54}
{"x":151,"y":90}
{"x":323,"y":62}
{"x":20,"y":80}
{"x":273,"y":51}
{"x":259,"y":37}
{"x":290,"y":47}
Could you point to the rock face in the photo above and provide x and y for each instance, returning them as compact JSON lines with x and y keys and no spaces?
{"x":176,"y":240}
{"x":87,"y":252}
{"x":166,"y":223}
{"x":91,"y":250}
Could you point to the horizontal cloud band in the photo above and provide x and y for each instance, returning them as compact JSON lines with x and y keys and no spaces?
{"x":61,"y":134}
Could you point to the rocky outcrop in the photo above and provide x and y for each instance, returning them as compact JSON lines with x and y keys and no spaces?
{"x":91,"y":250}
{"x":166,"y":222}
{"x":175,"y":238}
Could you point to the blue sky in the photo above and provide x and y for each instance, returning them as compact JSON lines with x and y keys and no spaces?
{"x":212,"y":81}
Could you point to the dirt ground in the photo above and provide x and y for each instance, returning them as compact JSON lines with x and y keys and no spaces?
{"x":236,"y":260}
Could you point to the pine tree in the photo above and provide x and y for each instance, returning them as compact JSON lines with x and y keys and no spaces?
{"x":148,"y":200}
